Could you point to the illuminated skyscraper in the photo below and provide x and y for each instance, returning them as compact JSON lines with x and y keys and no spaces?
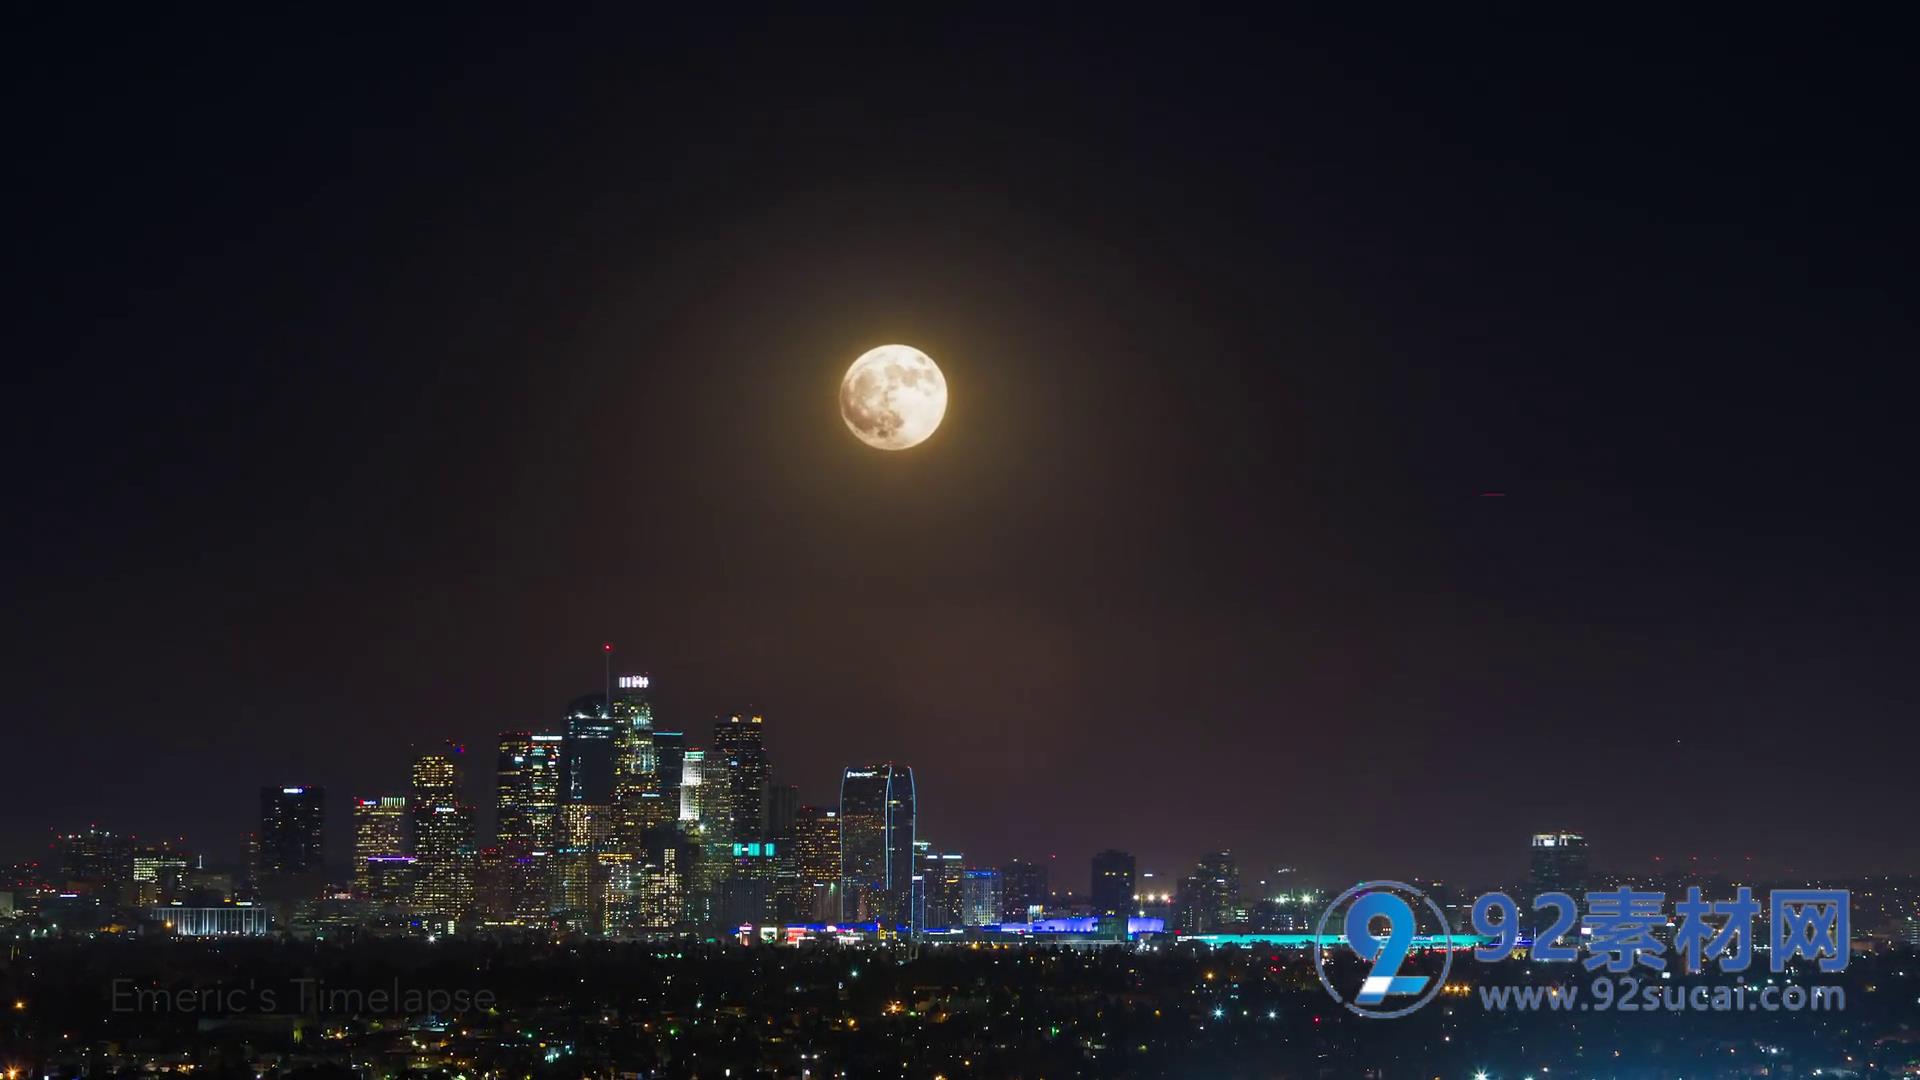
{"x":980,"y":897}
{"x":816,"y":846}
{"x":633,"y":727}
{"x":545,"y":784}
{"x":1112,"y":888}
{"x":876,"y":844}
{"x":693,"y":808}
{"x":587,"y":755}
{"x":637,"y":802}
{"x":444,"y":854}
{"x":1209,"y":897}
{"x":1557,"y":862}
{"x":527,"y":785}
{"x":292,"y":825}
{"x":737,"y":772}
{"x":379,"y":831}
{"x":436,"y":778}
{"x":159,"y":875}
{"x":442,"y":873}
{"x":944,"y":874}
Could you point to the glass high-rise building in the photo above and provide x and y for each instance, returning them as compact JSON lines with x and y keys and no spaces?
{"x":379,"y":831}
{"x":441,"y":876}
{"x":444,"y":858}
{"x":816,"y":845}
{"x":981,"y":902}
{"x":693,"y":773}
{"x":636,"y":800}
{"x":1557,"y":862}
{"x":1023,"y":890}
{"x":943,"y":874}
{"x":435,"y":777}
{"x":669,"y":751}
{"x":588,"y":752}
{"x":1111,"y":891}
{"x":292,"y":823}
{"x":877,"y":812}
{"x":527,"y":781}
{"x":779,"y":812}
{"x":737,"y":773}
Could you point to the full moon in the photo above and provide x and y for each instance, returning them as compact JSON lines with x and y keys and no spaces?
{"x":893,"y":397}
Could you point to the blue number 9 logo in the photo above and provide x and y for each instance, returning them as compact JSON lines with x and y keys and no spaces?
{"x":1396,"y":903}
{"x":1384,"y":977}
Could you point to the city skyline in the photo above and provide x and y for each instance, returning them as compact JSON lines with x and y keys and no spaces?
{"x":487,"y":800}
{"x":1320,"y":422}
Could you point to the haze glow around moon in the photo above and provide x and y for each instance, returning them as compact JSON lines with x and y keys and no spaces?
{"x":893,"y":397}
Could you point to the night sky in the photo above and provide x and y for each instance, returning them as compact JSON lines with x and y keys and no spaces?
{"x":363,"y":379}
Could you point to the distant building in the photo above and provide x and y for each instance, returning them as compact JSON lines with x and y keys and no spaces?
{"x":693,"y":771}
{"x":816,"y":841}
{"x":779,"y":808}
{"x":980,"y":900}
{"x":1557,"y":862}
{"x":1208,"y":898}
{"x":96,"y":862}
{"x":379,"y":830}
{"x":588,"y":752}
{"x":527,"y":791}
{"x":877,"y":812}
{"x":159,"y":875}
{"x":435,"y":777}
{"x":737,"y":772}
{"x":1023,"y":890}
{"x":213,"y":921}
{"x":636,"y":798}
{"x":669,"y":751}
{"x":292,"y":827}
{"x":442,"y":831}
{"x":944,"y":873}
{"x":1112,"y":889}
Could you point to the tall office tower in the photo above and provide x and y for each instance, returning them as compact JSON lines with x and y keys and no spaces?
{"x":693,"y":768}
{"x":981,"y":902}
{"x":444,"y":858}
{"x":292,"y":823}
{"x":1023,"y":890}
{"x":545,"y":785}
{"x":587,"y":754}
{"x":876,"y":844}
{"x":779,"y":811}
{"x":1111,"y":892}
{"x":1208,"y":897}
{"x":636,"y":800}
{"x":379,"y":831}
{"x":516,"y":767}
{"x":436,"y":778}
{"x":669,"y":751}
{"x":738,"y":761}
{"x":1557,"y":862}
{"x":96,"y":862}
{"x":633,"y":727}
{"x":816,"y":847}
{"x":944,"y":873}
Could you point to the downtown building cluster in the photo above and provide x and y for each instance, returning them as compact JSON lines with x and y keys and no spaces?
{"x":607,"y":824}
